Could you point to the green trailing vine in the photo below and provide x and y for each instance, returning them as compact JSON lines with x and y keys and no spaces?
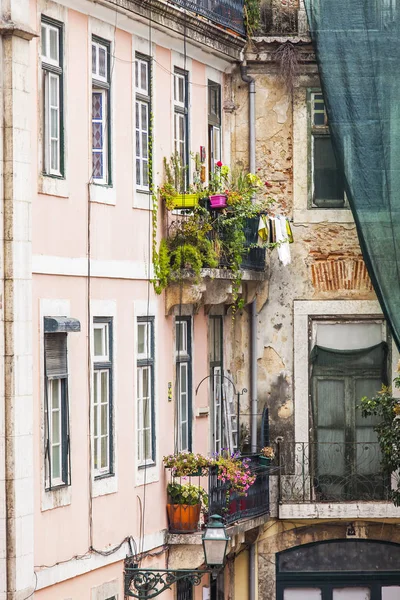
{"x":251,"y":13}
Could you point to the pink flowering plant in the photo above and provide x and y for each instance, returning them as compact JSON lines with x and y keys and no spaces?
{"x":234,"y":470}
{"x":185,"y":464}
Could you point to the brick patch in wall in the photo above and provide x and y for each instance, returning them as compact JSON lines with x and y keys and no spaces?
{"x":340,"y":274}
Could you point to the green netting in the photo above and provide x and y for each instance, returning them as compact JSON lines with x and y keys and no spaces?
{"x":372,"y":359}
{"x":358,"y":52}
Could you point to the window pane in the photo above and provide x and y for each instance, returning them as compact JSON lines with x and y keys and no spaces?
{"x":145,"y":173}
{"x":54,"y":91}
{"x":138,"y":172}
{"x":97,"y":105}
{"x":104,"y":386}
{"x":104,"y":452}
{"x":56,"y":462}
{"x":97,"y":136}
{"x":141,"y":347}
{"x":98,"y":341}
{"x":144,"y":116}
{"x":94,"y":55}
{"x":104,"y":419}
{"x":328,"y":181}
{"x":53,"y":44}
{"x":144,"y":145}
{"x":147,"y":444}
{"x":43,"y":40}
{"x":102,"y":62}
{"x":136,"y":73}
{"x":352,"y":594}
{"x":143,"y":76}
{"x":391,"y":592}
{"x":95,"y":415}
{"x":146,"y":412}
{"x":55,"y":393}
{"x":97,"y":165}
{"x":181,"y":88}
{"x":55,"y":430}
{"x":302,"y":594}
{"x":146,"y":387}
{"x":184,"y":440}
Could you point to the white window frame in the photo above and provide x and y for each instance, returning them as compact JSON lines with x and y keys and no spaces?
{"x":101,"y":85}
{"x":183,"y":364}
{"x":102,"y":364}
{"x":97,"y":47}
{"x":181,"y":114}
{"x":145,"y":363}
{"x":142,"y":100}
{"x":52,"y":72}
{"x":55,"y":481}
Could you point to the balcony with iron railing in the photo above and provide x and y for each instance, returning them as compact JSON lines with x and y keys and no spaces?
{"x":333,"y":479}
{"x":228,"y":13}
{"x":216,"y":497}
{"x":222,"y":279}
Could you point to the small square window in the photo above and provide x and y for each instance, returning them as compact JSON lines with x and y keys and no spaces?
{"x":101,"y":341}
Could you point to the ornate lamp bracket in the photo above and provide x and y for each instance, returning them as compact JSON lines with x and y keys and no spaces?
{"x":144,"y":584}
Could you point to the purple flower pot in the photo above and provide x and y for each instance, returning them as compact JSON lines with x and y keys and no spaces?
{"x":218,"y":201}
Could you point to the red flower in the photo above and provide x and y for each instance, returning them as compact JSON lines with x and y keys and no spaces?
{"x":268,"y":184}
{"x":219,"y":164}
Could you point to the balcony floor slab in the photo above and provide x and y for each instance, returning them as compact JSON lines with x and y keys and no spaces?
{"x":345,"y":510}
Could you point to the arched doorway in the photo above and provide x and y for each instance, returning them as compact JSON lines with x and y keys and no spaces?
{"x":339,"y":570}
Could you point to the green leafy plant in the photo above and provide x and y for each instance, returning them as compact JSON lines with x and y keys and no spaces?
{"x":176,"y":179}
{"x":185,"y":493}
{"x":184,"y":464}
{"x":385,"y":406}
{"x":251,"y":14}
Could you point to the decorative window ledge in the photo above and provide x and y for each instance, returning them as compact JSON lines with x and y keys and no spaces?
{"x":103,"y":194}
{"x":104,"y":486}
{"x":142,"y":200}
{"x":56,"y":498}
{"x":53,"y":186}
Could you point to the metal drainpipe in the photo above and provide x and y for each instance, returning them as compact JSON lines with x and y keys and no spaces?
{"x":253,"y":322}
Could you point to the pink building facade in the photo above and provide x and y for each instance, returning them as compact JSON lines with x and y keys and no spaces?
{"x":90,"y":395}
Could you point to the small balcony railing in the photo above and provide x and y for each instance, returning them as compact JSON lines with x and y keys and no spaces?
{"x":233,"y":507}
{"x":228,"y":13}
{"x":221,"y":501}
{"x":331,"y":472}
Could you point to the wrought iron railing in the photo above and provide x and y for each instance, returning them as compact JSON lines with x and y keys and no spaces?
{"x":331,"y":472}
{"x":228,"y":13}
{"x":234,"y":507}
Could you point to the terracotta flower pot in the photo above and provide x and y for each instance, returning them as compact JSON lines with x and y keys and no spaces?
{"x":218,"y":201}
{"x":183,"y":517}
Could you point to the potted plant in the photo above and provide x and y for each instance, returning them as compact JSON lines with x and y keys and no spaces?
{"x":187,"y":464}
{"x":176,"y":191}
{"x":184,"y":506}
{"x":266,"y":455}
{"x":235,"y":471}
{"x":217,"y":188}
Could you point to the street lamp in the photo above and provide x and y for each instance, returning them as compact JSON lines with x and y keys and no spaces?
{"x":144,"y":584}
{"x":215,"y":542}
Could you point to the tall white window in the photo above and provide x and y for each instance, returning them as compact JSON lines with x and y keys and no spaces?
{"x":181,"y":109}
{"x":56,"y":410}
{"x":51,"y":44}
{"x":101,"y":112}
{"x":216,"y":366}
{"x":214,"y":124}
{"x":145,"y":390}
{"x":102,"y":397}
{"x":142,"y":120}
{"x":183,"y":382}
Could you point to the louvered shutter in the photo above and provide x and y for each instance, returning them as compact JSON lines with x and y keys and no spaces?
{"x":55,"y":347}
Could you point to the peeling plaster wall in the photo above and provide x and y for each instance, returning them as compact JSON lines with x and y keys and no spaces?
{"x":326,"y":257}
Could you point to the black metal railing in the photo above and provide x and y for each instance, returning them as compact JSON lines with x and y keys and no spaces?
{"x":228,"y":13}
{"x":234,"y":507}
{"x":332,"y":472}
{"x":253,"y":256}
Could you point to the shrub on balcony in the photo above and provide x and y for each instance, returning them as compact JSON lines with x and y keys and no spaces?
{"x":185,"y":464}
{"x":387,"y":408}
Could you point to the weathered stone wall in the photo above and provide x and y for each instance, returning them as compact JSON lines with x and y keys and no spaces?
{"x":326,"y":261}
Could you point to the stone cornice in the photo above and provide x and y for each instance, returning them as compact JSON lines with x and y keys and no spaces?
{"x":263,"y":49}
{"x":17,"y":29}
{"x":199,"y":31}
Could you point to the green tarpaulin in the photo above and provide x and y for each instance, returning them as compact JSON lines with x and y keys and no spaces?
{"x":357,"y":44}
